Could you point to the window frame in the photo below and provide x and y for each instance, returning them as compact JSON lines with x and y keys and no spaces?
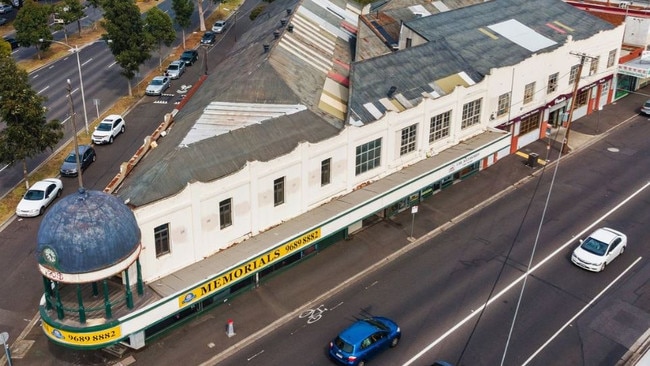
{"x":225,"y":213}
{"x":529,"y":124}
{"x":367,"y":156}
{"x":278,"y":191}
{"x":162,"y":239}
{"x":408,"y":139}
{"x":503,"y":104}
{"x":439,"y":126}
{"x":529,"y":92}
{"x":551,"y":86}
{"x":325,"y":172}
{"x":471,"y":113}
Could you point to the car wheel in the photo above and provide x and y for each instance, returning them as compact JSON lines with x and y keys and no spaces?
{"x":394,"y":342}
{"x":110,"y":140}
{"x":58,"y":193}
{"x":361,"y":363}
{"x":622,"y":250}
{"x":602,"y":268}
{"x":94,"y":157}
{"x":122,"y":129}
{"x":40,"y":212}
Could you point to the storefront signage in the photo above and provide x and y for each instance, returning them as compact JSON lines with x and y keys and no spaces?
{"x":459,"y":164}
{"x":247,"y":268}
{"x":639,"y":72}
{"x":83,"y":339}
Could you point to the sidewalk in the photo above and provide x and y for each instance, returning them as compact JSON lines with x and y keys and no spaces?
{"x":204,"y":341}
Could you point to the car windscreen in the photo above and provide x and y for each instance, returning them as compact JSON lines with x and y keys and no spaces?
{"x":594,"y":246}
{"x":156,"y":82}
{"x":34,"y":195}
{"x":172,"y":67}
{"x":72,"y":158}
{"x":104,"y":127}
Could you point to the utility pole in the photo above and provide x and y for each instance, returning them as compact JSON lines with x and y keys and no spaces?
{"x":574,"y":97}
{"x":74,"y":135}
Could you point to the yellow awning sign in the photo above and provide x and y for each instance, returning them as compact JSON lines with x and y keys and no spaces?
{"x":247,"y":268}
{"x":100,"y":337}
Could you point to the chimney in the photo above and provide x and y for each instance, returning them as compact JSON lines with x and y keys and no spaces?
{"x":266,"y":48}
{"x":392,"y":91}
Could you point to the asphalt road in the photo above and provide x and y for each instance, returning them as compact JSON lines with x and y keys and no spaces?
{"x":103,"y":85}
{"x":436,"y":291}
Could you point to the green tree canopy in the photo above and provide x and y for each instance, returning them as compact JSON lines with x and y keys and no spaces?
{"x":31,"y":26}
{"x":5,"y":48}
{"x":125,"y":36}
{"x":183,"y":10}
{"x":160,"y":30}
{"x":27,"y":132}
{"x":70,"y":11}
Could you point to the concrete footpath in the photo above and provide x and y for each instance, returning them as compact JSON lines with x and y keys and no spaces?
{"x":204,"y":340}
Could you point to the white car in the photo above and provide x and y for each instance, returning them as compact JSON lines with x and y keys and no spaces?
{"x":599,"y":249}
{"x":38,"y":197}
{"x":108,"y":129}
{"x":158,"y":85}
{"x":645,"y":109}
{"x":219,"y":26}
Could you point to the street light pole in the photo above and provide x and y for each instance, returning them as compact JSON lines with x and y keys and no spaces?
{"x":76,"y":50}
{"x":74,"y":136}
{"x":81,"y":85}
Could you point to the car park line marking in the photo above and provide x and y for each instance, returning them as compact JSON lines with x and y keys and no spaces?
{"x":84,"y":64}
{"x":111,"y":65}
{"x":44,"y":89}
{"x":255,"y":355}
{"x":521,"y":278}
{"x":584,"y":308}
{"x":4,"y":167}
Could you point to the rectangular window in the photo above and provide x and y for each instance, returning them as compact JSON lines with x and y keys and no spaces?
{"x":593,"y":66}
{"x":278,"y":191}
{"x":529,"y":124}
{"x":225,"y":213}
{"x":471,"y":113}
{"x":325,"y":172}
{"x":161,"y":239}
{"x":409,"y":42}
{"x":504,"y":104}
{"x":529,"y":92}
{"x":573,"y":74}
{"x":439,"y":126}
{"x":582,"y":98}
{"x":368,"y":156}
{"x":551,"y":87}
{"x":408,"y":139}
{"x":611,"y":58}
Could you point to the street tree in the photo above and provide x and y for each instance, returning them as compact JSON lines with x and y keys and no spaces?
{"x":70,"y":11}
{"x":199,"y":6}
{"x":5,"y":48}
{"x":31,"y":26}
{"x":125,"y":36}
{"x":183,"y":10}
{"x":27,"y":132}
{"x":160,"y":30}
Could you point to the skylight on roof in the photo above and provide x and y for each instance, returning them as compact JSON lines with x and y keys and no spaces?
{"x":522,"y":35}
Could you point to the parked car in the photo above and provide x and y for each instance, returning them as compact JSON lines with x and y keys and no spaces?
{"x":363,"y":340}
{"x":190,"y":57}
{"x":599,"y":249}
{"x":12,"y":41}
{"x":645,"y":109}
{"x":3,"y":21}
{"x":69,"y":166}
{"x":175,"y":69}
{"x":108,"y":129}
{"x":158,"y":85}
{"x":219,"y":26}
{"x":38,"y":197}
{"x":4,"y":8}
{"x":208,"y":38}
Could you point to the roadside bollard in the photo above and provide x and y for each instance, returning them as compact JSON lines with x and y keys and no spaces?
{"x":231,"y":328}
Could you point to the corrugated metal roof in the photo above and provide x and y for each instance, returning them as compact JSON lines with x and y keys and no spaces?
{"x":459,"y":41}
{"x":257,"y":105}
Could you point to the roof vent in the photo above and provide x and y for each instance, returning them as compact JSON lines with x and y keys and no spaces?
{"x":283,"y":21}
{"x":392,"y":91}
{"x":266,"y":48}
{"x":288,"y":11}
{"x":276,"y":34}
{"x":290,"y":28}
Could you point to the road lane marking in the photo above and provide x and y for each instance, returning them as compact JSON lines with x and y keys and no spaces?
{"x":84,"y":64}
{"x":44,"y":89}
{"x":601,"y":293}
{"x":521,"y":278}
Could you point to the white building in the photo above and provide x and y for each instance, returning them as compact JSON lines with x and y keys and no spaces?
{"x":290,"y":145}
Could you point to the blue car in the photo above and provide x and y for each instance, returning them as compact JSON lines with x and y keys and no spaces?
{"x":363,"y":340}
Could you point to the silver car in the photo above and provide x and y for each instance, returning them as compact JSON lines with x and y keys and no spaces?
{"x":646,"y":108}
{"x":158,"y":85}
{"x":175,"y":69}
